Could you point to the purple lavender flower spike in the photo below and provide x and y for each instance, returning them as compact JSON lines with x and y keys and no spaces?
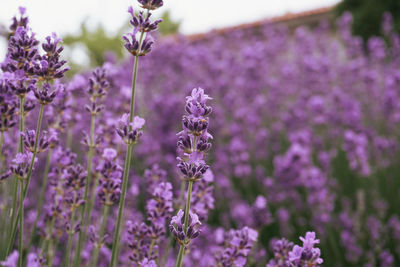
{"x":21,"y":22}
{"x":147,"y":263}
{"x":49,"y":65}
{"x":130,"y":132}
{"x":45,"y":141}
{"x":141,"y":23}
{"x":281,"y":249}
{"x":306,"y":255}
{"x":47,"y":93}
{"x":151,"y":4}
{"x":11,"y":260}
{"x":20,"y":164}
{"x":22,"y":51}
{"x":177,"y":224}
{"x":238,"y":247}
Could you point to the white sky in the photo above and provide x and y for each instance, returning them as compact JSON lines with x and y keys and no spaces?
{"x":65,"y":16}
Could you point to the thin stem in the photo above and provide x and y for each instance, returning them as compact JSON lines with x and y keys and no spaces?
{"x":1,"y":150}
{"x":171,"y":237}
{"x":13,"y":225}
{"x":179,"y":260}
{"x":28,"y":177}
{"x":134,"y":78}
{"x":70,"y":235}
{"x":101,"y":234}
{"x":69,"y":137}
{"x":21,"y":225}
{"x":127,"y":159}
{"x":187,"y":209}
{"x":121,"y":204}
{"x":41,"y":196}
{"x":49,"y":243}
{"x":153,"y":242}
{"x":21,"y":123}
{"x":4,"y":193}
{"x":35,"y":149}
{"x":91,"y":203}
{"x":166,"y":253}
{"x":82,"y":233}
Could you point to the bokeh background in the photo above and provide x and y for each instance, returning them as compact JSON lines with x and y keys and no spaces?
{"x":103,"y":21}
{"x":306,"y":112}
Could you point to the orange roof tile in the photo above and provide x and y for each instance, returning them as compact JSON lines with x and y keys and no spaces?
{"x":280,"y":19}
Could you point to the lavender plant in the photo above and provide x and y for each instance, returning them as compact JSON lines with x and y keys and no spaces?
{"x":130,"y":129}
{"x":193,"y":144}
{"x":305,"y":138}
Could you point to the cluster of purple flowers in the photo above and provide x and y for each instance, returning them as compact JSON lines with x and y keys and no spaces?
{"x":285,"y":254}
{"x":305,"y":136}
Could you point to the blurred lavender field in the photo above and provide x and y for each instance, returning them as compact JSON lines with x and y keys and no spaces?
{"x":305,"y":126}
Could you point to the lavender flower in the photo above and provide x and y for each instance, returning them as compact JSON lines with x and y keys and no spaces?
{"x":22,"y":51}
{"x":109,"y":189}
{"x":194,"y":133}
{"x":49,"y":65}
{"x":306,"y":255}
{"x":45,"y":140}
{"x":21,"y":87}
{"x":46,"y":94}
{"x":176,"y":227}
{"x":20,"y":164}
{"x":151,"y":4}
{"x":281,"y":249}
{"x":130,"y":131}
{"x":139,"y":241}
{"x":11,"y":260}
{"x":238,"y":246}
{"x":7,"y":115}
{"x":159,"y":208}
{"x":21,"y":22}
{"x":132,"y":44}
{"x":141,"y":23}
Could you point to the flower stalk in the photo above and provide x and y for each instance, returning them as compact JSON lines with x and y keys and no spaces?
{"x":179,"y":260}
{"x":28,"y":178}
{"x":137,"y":48}
{"x":41,"y":196}
{"x":82,"y":233}
{"x":103,"y":225}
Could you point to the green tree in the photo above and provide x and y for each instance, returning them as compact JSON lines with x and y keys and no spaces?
{"x":168,"y":26}
{"x":368,"y":15}
{"x":98,"y":42}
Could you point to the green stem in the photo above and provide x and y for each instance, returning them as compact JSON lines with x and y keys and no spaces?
{"x":21,"y":123}
{"x":91,"y":203}
{"x":70,"y":235}
{"x":127,"y":159}
{"x":49,"y":244}
{"x":69,"y":138}
{"x":14,"y":187}
{"x":1,"y":151}
{"x":153,"y":242}
{"x":133,"y":92}
{"x":179,"y":260}
{"x":21,"y":225}
{"x":35,"y":149}
{"x":28,"y":177}
{"x":101,"y":234}
{"x":166,"y":253}
{"x":82,"y":233}
{"x":41,"y":196}
{"x":4,"y":193}
{"x":121,"y":204}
